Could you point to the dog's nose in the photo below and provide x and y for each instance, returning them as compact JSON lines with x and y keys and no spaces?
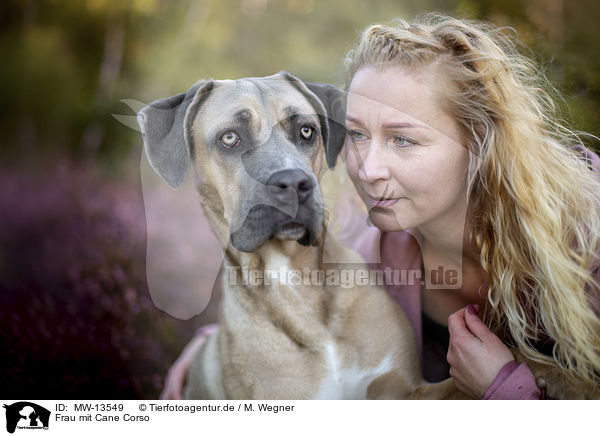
{"x":298,"y":180}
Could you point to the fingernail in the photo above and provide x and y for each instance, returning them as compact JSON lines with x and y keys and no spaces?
{"x":471,"y":309}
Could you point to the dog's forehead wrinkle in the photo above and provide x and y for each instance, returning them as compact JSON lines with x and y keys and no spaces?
{"x":236,"y":94}
{"x":254,"y":87}
{"x":295,"y":106}
{"x":279,"y":93}
{"x":243,"y":115}
{"x":239,"y":116}
{"x":246,"y":105}
{"x":292,"y":111}
{"x":270,"y":84}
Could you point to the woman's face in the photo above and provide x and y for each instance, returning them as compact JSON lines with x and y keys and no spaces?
{"x":404,"y":153}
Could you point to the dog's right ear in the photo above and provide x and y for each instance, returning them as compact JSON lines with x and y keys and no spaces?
{"x":165,"y":128}
{"x":334,"y":100}
{"x":330,"y":105}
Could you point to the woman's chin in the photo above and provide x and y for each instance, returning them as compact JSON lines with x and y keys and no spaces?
{"x":386,"y":220}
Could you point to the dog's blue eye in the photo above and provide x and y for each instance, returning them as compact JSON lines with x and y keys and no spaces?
{"x":230,"y":139}
{"x":307,"y":132}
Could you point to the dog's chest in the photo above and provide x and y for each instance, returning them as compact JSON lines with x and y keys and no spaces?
{"x":348,"y":382}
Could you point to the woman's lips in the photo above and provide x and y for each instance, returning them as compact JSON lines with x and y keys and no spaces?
{"x":386,"y":202}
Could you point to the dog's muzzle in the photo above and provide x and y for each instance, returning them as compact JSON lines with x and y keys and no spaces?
{"x":263,"y":222}
{"x":301,"y":188}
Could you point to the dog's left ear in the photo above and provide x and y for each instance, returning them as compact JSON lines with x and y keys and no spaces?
{"x":331,"y":107}
{"x":165,"y":126}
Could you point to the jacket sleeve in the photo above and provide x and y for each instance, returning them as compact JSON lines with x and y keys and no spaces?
{"x":514,"y":382}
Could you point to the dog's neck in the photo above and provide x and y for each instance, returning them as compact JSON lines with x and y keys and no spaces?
{"x":275,"y":293}
{"x":276,"y":263}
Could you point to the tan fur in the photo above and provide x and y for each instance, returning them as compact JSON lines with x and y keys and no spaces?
{"x":555,"y":382}
{"x":304,"y":341}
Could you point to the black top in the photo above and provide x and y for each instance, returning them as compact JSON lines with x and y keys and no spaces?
{"x":436,"y":340}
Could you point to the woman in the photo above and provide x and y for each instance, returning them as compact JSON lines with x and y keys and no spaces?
{"x":457,"y":153}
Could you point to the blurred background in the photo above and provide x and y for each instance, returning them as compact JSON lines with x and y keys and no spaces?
{"x":76,"y":316}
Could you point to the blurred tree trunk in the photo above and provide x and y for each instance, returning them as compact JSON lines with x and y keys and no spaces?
{"x":110,"y":68}
{"x":114,"y":46}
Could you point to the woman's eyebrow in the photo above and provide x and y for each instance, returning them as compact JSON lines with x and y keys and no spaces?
{"x":353,"y":120}
{"x":404,"y":125}
{"x":396,"y":125}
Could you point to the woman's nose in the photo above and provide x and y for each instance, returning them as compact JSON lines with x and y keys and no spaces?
{"x":374,"y":165}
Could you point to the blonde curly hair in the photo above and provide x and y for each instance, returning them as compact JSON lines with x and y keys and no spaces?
{"x":533,"y":200}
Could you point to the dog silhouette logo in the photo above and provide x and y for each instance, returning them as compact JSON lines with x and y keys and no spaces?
{"x":26,"y":415}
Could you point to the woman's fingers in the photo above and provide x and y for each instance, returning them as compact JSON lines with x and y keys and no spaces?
{"x":474,"y":324}
{"x":475,"y":353}
{"x":456,"y":324}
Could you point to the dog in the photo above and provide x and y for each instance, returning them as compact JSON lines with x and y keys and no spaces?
{"x":258,"y":147}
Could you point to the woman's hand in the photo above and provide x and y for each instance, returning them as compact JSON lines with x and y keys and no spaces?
{"x":173,"y":388}
{"x":475,"y":355}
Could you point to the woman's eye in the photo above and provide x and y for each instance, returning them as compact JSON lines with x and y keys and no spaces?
{"x":307,"y":132}
{"x":402,"y":141}
{"x":356,"y":135}
{"x":230,"y":139}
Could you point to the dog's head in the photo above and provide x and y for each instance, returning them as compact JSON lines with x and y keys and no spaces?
{"x":256,"y":145}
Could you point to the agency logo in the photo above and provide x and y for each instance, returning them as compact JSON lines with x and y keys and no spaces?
{"x":26,"y":415}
